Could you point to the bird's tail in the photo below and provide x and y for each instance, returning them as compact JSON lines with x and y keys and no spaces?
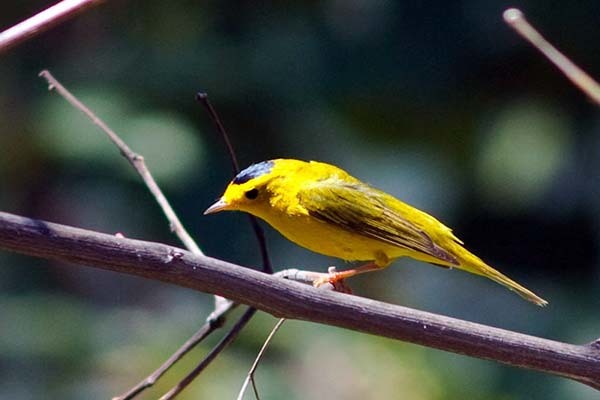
{"x":474,"y":264}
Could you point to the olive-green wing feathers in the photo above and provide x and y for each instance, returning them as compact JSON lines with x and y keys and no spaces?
{"x":362,"y":209}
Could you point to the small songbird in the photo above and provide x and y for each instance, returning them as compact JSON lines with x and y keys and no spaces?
{"x":323,"y":208}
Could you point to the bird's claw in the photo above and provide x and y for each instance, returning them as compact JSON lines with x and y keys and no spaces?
{"x":335,"y":279}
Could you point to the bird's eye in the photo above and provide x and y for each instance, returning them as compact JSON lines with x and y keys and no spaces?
{"x":251,"y":194}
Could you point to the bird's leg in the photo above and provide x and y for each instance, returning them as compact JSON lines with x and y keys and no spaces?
{"x":349,"y":273}
{"x":336,"y":279}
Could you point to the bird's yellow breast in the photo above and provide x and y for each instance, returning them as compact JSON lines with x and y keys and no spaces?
{"x":331,"y":240}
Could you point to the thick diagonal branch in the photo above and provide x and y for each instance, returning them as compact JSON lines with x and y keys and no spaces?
{"x":293,"y":300}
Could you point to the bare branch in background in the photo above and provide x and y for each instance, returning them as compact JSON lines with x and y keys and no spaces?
{"x":235,"y":167}
{"x":267,"y":268}
{"x":515,"y":18}
{"x":222,"y":305}
{"x":250,"y":376}
{"x":203,"y":98}
{"x":226,"y":340}
{"x":136,"y":160}
{"x":214,"y":321}
{"x":292,"y":300}
{"x":43,"y":21}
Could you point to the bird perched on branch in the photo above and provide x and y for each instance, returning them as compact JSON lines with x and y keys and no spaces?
{"x":323,"y":208}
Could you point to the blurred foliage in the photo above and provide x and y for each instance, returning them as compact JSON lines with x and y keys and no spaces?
{"x":438,"y":103}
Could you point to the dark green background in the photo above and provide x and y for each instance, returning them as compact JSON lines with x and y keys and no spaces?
{"x":436,"y":102}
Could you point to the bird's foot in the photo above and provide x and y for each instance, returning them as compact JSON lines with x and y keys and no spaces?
{"x":335,"y":279}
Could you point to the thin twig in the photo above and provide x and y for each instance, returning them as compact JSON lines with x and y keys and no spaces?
{"x":235,"y":167}
{"x":136,"y":160}
{"x":213,"y":322}
{"x":222,"y":306}
{"x":250,"y":376}
{"x":203,"y":98}
{"x":292,"y":300}
{"x":267,"y":268}
{"x":43,"y":21}
{"x":515,"y":18}
{"x":227,"y":339}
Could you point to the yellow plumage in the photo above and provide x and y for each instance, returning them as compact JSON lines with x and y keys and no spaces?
{"x":323,"y":208}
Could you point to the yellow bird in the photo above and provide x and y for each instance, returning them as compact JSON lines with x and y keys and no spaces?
{"x":323,"y":208}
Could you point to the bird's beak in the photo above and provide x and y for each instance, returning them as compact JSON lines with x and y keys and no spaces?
{"x":220,"y":205}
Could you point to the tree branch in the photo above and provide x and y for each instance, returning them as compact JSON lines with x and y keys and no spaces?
{"x":292,"y":300}
{"x":263,"y":349}
{"x":516,"y":20}
{"x":222,"y":305}
{"x":136,"y":161}
{"x":214,"y":321}
{"x":43,"y":21}
{"x":223,"y":343}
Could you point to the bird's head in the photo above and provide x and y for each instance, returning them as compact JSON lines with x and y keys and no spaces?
{"x":249,"y":191}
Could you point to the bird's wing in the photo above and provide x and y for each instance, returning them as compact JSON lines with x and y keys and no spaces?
{"x":361,"y":209}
